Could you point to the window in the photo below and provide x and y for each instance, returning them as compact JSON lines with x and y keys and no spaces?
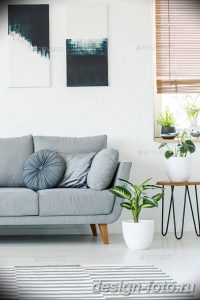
{"x":178,"y":56}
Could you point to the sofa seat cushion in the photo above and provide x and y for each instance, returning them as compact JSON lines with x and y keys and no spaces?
{"x":18,"y":202}
{"x":74,"y":202}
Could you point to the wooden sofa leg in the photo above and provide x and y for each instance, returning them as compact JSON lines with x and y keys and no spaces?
{"x":94,"y":229}
{"x":104,"y":233}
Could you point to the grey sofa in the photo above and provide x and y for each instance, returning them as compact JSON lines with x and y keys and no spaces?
{"x":58,"y":206}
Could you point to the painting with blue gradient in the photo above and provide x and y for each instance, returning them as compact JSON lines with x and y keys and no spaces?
{"x":87,"y":62}
{"x":28,"y":31}
{"x":31,"y":22}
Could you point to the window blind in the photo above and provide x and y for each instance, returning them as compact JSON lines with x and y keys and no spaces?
{"x":178,"y":46}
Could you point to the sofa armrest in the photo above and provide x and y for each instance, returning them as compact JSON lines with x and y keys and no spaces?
{"x":123,"y":172}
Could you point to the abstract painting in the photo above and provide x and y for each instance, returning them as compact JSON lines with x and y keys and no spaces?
{"x":87,"y":63}
{"x":28,"y":30}
{"x":87,"y":45}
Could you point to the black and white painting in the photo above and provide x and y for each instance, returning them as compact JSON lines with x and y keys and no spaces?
{"x":87,"y":45}
{"x":28,"y":30}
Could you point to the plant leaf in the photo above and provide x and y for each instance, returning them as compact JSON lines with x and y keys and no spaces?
{"x":184,"y":135}
{"x":132,"y":186}
{"x":162,"y":145}
{"x":126,"y":205}
{"x":127,"y":182}
{"x":147,"y":206}
{"x":195,"y":134}
{"x":169,"y":154}
{"x":184,"y":148}
{"x":190,"y":145}
{"x":143,"y":183}
{"x":151,"y":186}
{"x":148,"y":200}
{"x":158,"y":197}
{"x":121,"y":192}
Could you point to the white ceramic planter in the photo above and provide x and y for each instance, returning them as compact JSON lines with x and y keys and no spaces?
{"x":178,"y":168}
{"x":139,"y":235}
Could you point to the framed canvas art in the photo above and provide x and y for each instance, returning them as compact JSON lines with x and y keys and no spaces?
{"x":29,"y":53}
{"x":87,"y":45}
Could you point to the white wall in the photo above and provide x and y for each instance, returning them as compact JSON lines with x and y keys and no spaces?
{"x":124,"y":110}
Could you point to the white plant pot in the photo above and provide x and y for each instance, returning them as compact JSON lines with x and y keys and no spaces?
{"x":178,"y":168}
{"x":139,"y":235}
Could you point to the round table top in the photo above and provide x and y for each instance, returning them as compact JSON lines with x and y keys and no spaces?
{"x":182,"y":183}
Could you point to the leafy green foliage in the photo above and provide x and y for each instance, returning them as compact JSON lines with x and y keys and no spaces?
{"x":166,"y":119}
{"x":195,"y":134}
{"x":158,"y":197}
{"x":183,"y":147}
{"x":148,"y":200}
{"x":151,"y":186}
{"x":121,"y":192}
{"x":162,"y":145}
{"x":147,"y":206}
{"x":190,"y":146}
{"x":126,"y":205}
{"x":191,"y":108}
{"x":169,"y":154}
{"x":136,"y":197}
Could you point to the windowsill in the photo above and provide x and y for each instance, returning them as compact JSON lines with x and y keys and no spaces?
{"x":161,"y":140}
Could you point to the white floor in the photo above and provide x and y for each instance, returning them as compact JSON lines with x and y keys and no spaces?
{"x":180,"y":259}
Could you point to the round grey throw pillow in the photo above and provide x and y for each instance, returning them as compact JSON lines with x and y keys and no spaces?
{"x":44,"y":169}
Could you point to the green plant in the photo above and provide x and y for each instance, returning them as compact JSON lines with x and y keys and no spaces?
{"x":183,"y":147}
{"x":191,"y":108}
{"x":166,"y":118}
{"x":136,"y":198}
{"x":195,"y":134}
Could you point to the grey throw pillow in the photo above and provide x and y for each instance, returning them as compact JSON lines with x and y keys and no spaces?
{"x":77,"y":167}
{"x":103,"y":168}
{"x":44,"y":169}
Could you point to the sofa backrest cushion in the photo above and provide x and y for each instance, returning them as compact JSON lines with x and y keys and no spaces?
{"x":70,"y":145}
{"x":103,"y":168}
{"x":13,"y":154}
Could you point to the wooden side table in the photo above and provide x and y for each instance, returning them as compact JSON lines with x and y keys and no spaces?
{"x":172,"y":206}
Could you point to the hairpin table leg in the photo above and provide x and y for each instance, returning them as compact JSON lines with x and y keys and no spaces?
{"x":183,"y":217}
{"x":170,"y":206}
{"x":197,"y":230}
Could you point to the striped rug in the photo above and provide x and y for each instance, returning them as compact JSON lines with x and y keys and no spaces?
{"x":89,"y":282}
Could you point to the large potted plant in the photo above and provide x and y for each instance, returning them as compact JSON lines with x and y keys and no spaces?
{"x":192,"y":110}
{"x":138,"y":234}
{"x":167,"y":122}
{"x":177,"y":161}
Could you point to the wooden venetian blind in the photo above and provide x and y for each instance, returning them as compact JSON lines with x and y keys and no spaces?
{"x":178,"y":46}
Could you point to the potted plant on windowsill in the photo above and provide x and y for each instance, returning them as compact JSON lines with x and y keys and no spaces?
{"x":192,"y":111}
{"x":138,"y":234}
{"x":167,"y":122}
{"x":177,"y":161}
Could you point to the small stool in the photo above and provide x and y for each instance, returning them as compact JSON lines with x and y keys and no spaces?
{"x":172,"y":206}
